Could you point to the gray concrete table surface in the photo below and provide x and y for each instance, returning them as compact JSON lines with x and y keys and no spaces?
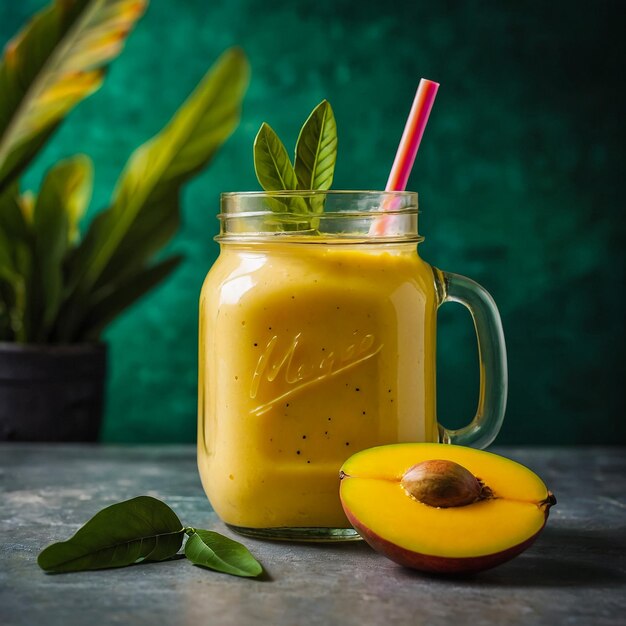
{"x":574,"y":574}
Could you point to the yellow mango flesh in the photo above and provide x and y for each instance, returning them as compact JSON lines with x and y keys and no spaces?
{"x":372,"y":493}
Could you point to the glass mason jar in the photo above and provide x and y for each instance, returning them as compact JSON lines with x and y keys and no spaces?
{"x":317,"y":340}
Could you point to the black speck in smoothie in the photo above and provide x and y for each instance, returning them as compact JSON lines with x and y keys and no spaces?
{"x":308,"y":461}
{"x":347,"y":443}
{"x":330,"y":419}
{"x":363,"y":412}
{"x":303,"y":436}
{"x":256,"y":344}
{"x":357,"y":389}
{"x":297,"y":451}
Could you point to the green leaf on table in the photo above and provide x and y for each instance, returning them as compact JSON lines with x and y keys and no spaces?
{"x":316,"y":149}
{"x":136,"y":530}
{"x":144,"y":211}
{"x":53,"y":63}
{"x":62,"y":200}
{"x":210,"y":549}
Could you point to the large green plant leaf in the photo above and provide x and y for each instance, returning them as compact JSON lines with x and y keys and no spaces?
{"x":14,"y":220}
{"x":62,"y":200}
{"x":145,"y":198}
{"x":10,"y":283}
{"x":111,"y":300}
{"x":6,"y":262}
{"x":140,"y":529}
{"x":153,"y":228}
{"x":316,"y":149}
{"x":58,"y":59}
{"x":210,"y":549}
{"x":16,"y":264}
{"x":13,"y":229}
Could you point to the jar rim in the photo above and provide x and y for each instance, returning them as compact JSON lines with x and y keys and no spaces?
{"x":298,"y":192}
{"x":336,"y":214}
{"x":320,"y":192}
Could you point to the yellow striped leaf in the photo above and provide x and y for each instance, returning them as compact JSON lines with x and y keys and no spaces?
{"x":57,"y":60}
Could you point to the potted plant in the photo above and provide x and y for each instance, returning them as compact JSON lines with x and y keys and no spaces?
{"x":62,"y":282}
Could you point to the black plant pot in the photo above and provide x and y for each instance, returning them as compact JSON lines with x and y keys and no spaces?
{"x":51,"y":393}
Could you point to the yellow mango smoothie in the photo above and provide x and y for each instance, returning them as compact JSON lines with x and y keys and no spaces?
{"x":309,"y":352}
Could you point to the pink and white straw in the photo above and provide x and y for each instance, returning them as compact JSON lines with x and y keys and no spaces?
{"x":409,"y":144}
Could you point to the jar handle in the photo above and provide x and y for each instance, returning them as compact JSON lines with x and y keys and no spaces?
{"x":492,"y":394}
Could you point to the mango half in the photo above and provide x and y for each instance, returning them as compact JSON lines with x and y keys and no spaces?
{"x":504,"y":516}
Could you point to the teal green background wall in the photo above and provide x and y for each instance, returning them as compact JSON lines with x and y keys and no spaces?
{"x":519,"y":178}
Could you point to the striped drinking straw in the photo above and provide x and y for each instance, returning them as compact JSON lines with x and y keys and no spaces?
{"x":409,"y":144}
